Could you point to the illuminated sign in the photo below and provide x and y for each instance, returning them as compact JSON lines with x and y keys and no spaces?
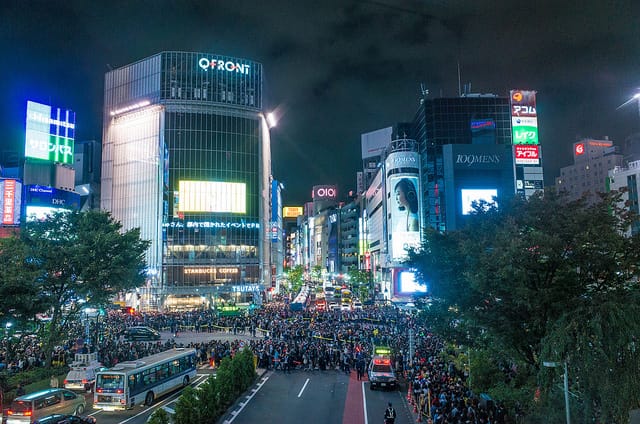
{"x":484,"y":124}
{"x":324,"y":192}
{"x":579,"y":149}
{"x":404,"y":211}
{"x":223,"y":65}
{"x":524,"y":121}
{"x":402,"y":160}
{"x":523,"y":103}
{"x":214,"y":224}
{"x":248,"y":288}
{"x":527,"y":155}
{"x":525,"y":130}
{"x":470,"y":159}
{"x":11,"y":201}
{"x":211,"y":270}
{"x":381,"y":350}
{"x":470,"y":197}
{"x":212,"y":196}
{"x":291,"y":211}
{"x":49,"y":133}
{"x":41,"y":201}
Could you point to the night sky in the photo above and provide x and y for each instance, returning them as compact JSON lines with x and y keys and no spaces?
{"x":335,"y":69}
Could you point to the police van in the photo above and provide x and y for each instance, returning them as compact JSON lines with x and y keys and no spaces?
{"x":381,"y":373}
{"x":82,"y":376}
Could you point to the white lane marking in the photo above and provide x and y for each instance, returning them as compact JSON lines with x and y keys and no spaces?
{"x":364,"y":404}
{"x":235,"y":413}
{"x":303,"y":387}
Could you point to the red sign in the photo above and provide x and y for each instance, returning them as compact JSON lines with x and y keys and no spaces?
{"x":9,"y":197}
{"x":579,"y":149}
{"x":527,"y":154}
{"x":523,"y":103}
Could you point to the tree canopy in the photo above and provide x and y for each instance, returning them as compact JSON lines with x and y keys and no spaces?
{"x":66,"y":261}
{"x":541,"y":276}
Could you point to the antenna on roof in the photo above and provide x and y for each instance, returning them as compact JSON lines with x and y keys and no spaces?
{"x":459,"y":89}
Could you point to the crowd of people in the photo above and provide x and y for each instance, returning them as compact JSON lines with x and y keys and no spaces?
{"x":284,"y":340}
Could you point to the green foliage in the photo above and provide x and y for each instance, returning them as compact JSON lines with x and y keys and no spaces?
{"x":160,"y":416}
{"x":296,"y":277}
{"x":67,"y":259}
{"x":188,"y":410}
{"x":209,"y":402}
{"x":543,"y":279}
{"x":361,"y":283}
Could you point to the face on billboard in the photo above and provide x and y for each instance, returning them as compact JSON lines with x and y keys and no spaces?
{"x":404,"y":208}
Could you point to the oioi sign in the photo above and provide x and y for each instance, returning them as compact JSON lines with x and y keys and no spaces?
{"x":49,"y":133}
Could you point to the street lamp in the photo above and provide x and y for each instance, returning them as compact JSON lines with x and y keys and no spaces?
{"x":566,"y":384}
{"x":635,"y":97}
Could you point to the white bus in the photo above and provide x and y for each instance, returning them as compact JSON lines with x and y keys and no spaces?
{"x":140,"y":382}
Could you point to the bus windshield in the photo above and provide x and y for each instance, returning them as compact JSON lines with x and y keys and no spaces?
{"x":109,"y":382}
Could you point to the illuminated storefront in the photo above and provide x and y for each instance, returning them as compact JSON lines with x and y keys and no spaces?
{"x":186,"y":159}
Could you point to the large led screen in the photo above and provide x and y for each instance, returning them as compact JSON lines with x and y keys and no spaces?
{"x":469,"y":196}
{"x":212,"y":196}
{"x":407,"y":283}
{"x":49,"y":133}
{"x":404,"y":209}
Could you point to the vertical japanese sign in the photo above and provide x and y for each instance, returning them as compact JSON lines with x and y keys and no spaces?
{"x":524,"y":118}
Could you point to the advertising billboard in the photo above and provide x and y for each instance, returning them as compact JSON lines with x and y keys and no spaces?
{"x":292,"y":211}
{"x":526,"y":155}
{"x":212,"y":196}
{"x":11,"y":201}
{"x":471,"y":196}
{"x":524,"y":120}
{"x":404,"y":211}
{"x":41,"y":201}
{"x":49,"y":133}
{"x":406,"y":282}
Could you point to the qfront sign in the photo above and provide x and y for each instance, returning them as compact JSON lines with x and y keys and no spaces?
{"x":49,"y":133}
{"x":223,"y":65}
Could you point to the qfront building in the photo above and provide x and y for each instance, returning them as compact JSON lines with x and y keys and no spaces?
{"x":186,"y":158}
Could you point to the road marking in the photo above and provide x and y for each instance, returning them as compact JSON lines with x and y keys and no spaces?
{"x":235,"y":413}
{"x":302,"y":390}
{"x":364,"y":404}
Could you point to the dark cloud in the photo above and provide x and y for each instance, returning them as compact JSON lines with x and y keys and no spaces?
{"x":338,"y":68}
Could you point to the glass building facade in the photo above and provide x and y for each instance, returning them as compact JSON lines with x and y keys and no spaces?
{"x":471,"y":119}
{"x":186,"y":159}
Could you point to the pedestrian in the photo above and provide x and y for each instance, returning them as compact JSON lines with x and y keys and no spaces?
{"x":54,"y":382}
{"x":20,"y":390}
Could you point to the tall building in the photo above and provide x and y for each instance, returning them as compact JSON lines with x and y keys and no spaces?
{"x":186,"y":158}
{"x":626,"y":179}
{"x":592,"y":160}
{"x":482,"y":120}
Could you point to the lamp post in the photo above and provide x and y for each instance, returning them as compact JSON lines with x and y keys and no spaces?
{"x":566,"y":385}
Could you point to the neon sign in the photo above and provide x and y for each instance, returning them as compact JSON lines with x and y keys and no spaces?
{"x":49,"y":133}
{"x":223,"y":65}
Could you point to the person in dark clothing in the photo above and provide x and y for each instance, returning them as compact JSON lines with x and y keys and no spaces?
{"x":389,"y":415}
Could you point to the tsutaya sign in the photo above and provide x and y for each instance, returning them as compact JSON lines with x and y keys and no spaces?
{"x":223,"y":65}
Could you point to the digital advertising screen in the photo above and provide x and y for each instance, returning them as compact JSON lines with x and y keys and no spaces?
{"x":406,"y":282}
{"x":212,"y":196}
{"x":404,"y":210}
{"x":49,"y":133}
{"x":11,"y":201}
{"x":41,"y":201}
{"x":471,"y":195}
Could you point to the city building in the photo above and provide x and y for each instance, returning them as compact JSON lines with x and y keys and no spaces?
{"x":587,"y":176}
{"x":626,"y":179}
{"x":186,"y":158}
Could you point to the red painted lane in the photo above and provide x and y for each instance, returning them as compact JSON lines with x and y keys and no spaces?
{"x":354,"y":405}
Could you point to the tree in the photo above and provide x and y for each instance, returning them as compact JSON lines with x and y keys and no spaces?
{"x":189,"y":408}
{"x":18,"y":296}
{"x":360,"y":281}
{"x":81,"y":258}
{"x":533,"y":272}
{"x":296,"y":277}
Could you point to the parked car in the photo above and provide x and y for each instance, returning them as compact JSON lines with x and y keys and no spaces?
{"x":28,"y":408}
{"x":65,"y":419}
{"x":141,"y":333}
